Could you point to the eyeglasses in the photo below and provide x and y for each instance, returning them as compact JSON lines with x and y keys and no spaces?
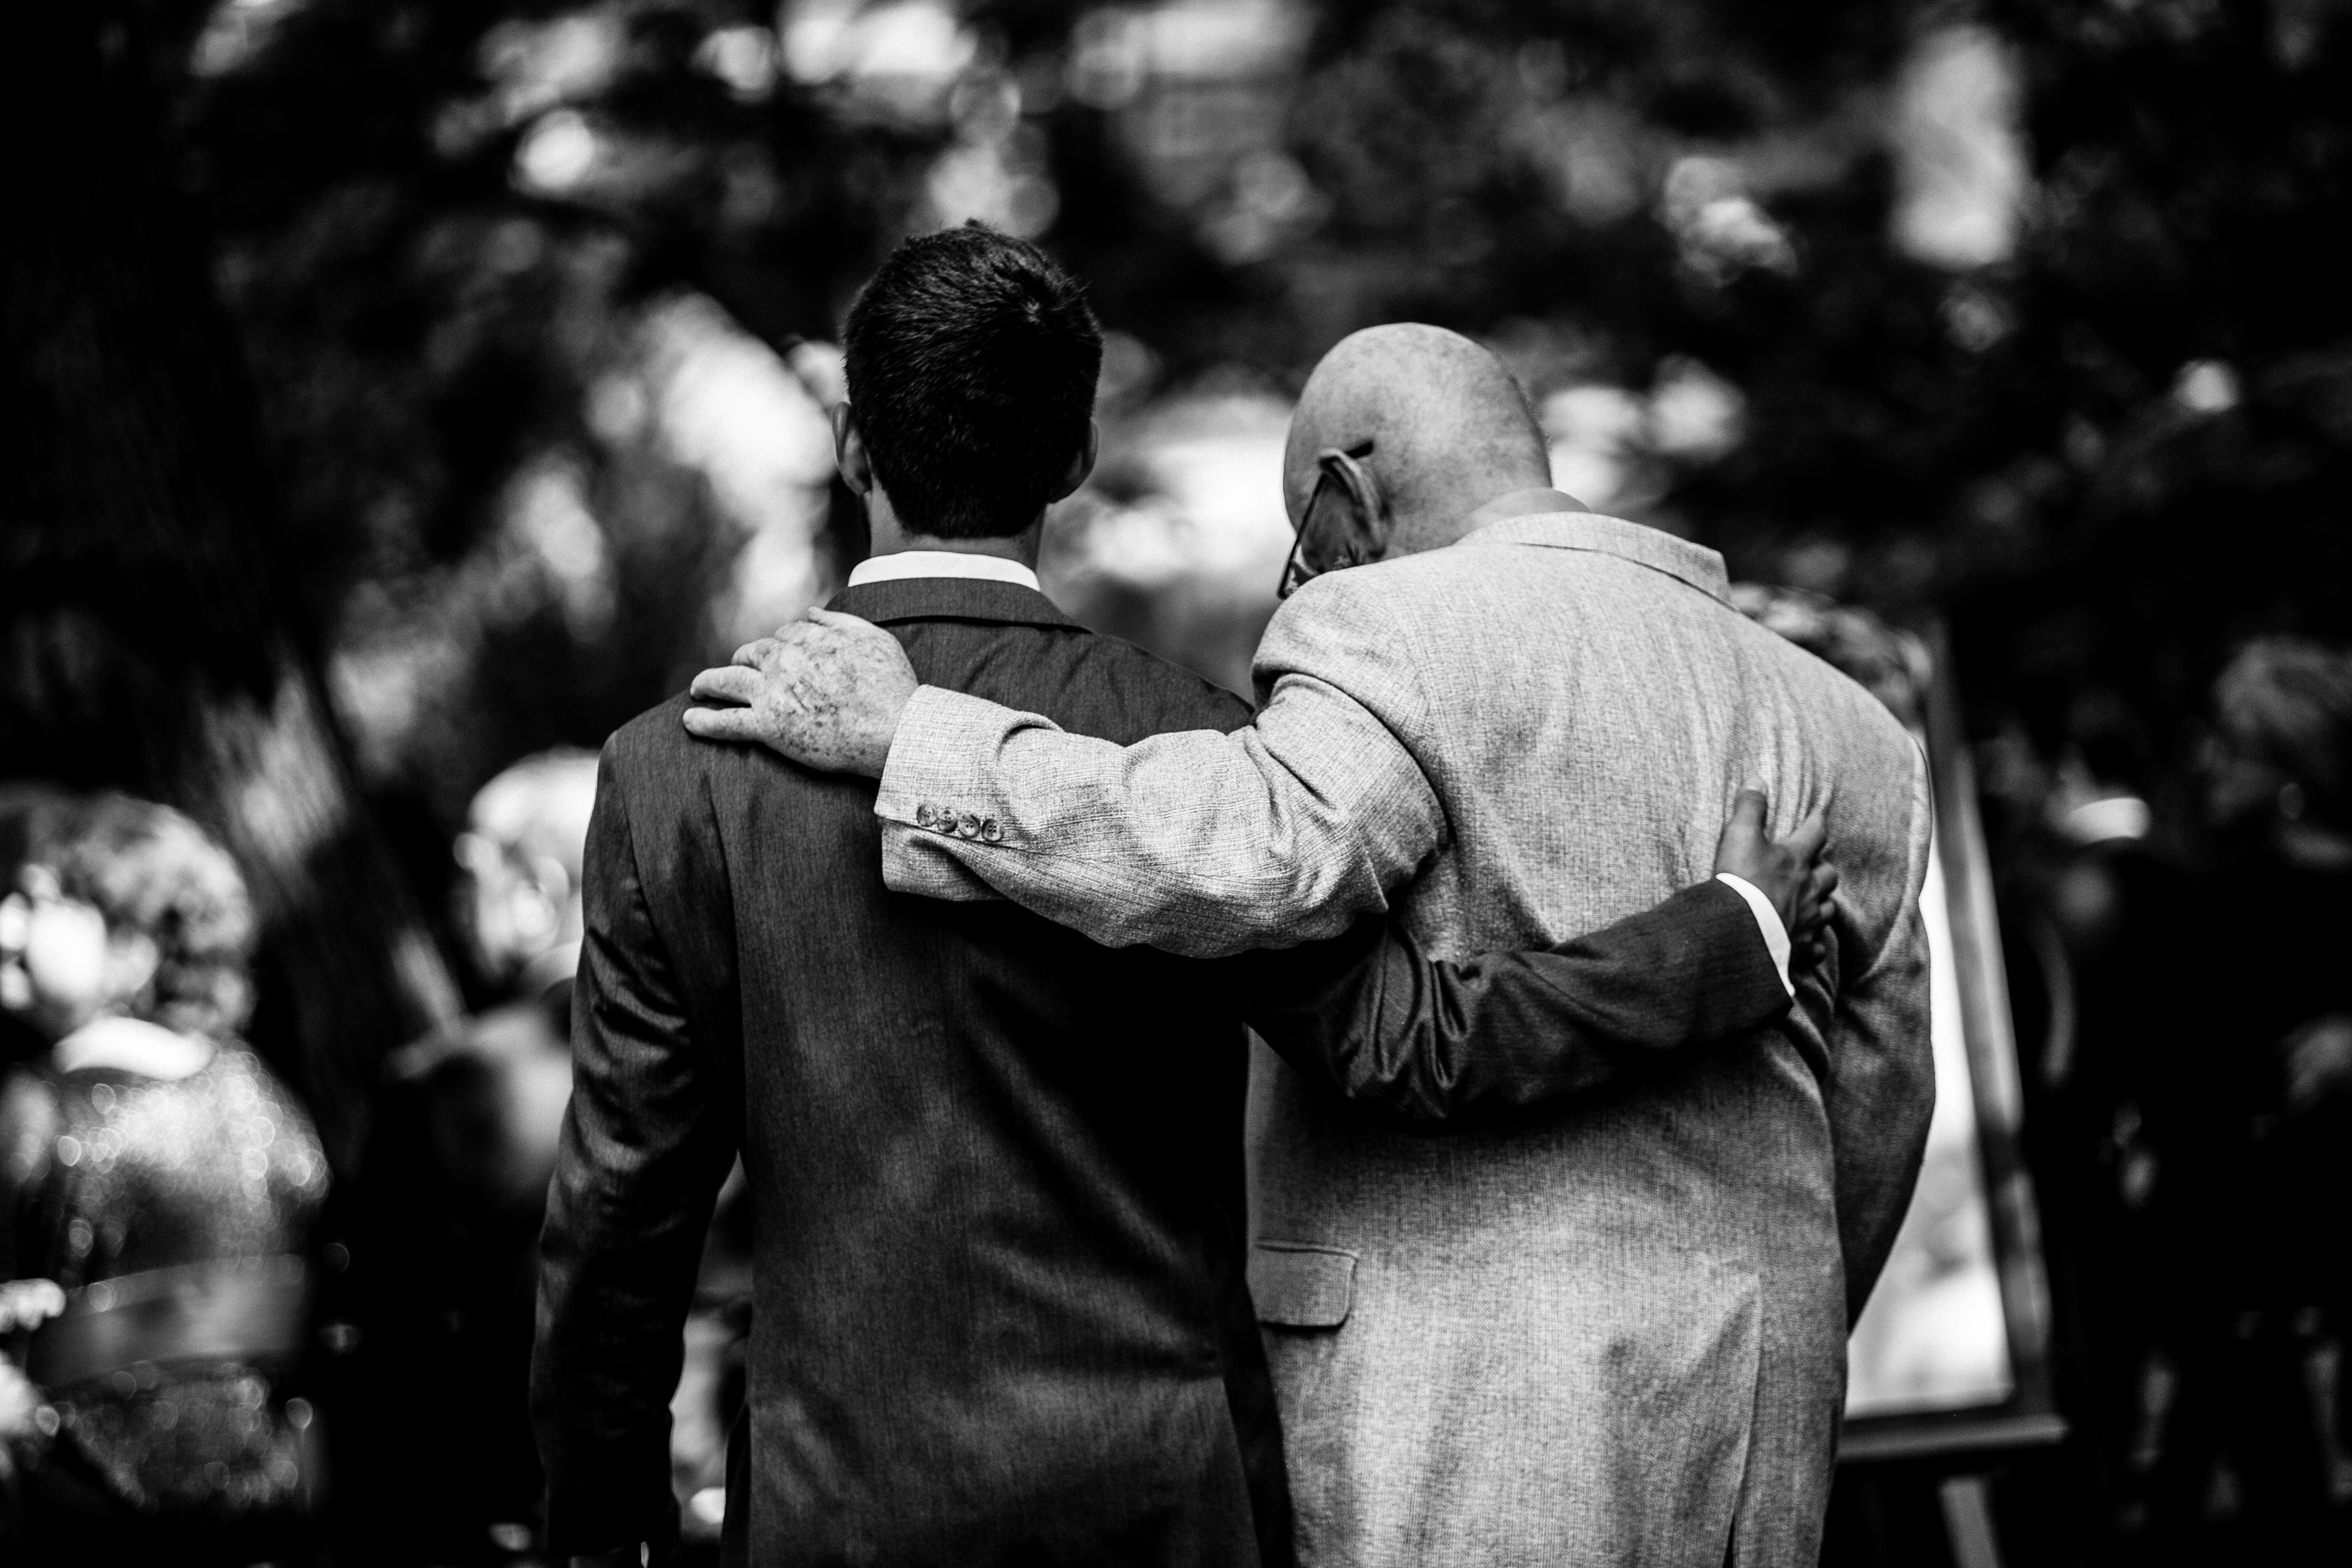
{"x":1333,"y":531}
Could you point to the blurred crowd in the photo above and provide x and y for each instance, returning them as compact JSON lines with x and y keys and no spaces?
{"x":2185,"y":1000}
{"x":214,"y":1357}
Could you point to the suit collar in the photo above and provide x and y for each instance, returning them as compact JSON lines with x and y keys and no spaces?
{"x":1694,"y":564}
{"x":950,"y":599}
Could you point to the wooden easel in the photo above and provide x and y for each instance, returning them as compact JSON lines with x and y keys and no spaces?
{"x":1968,"y":1521}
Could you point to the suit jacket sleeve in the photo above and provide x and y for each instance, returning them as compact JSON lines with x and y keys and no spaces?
{"x":644,"y":1148}
{"x":1200,"y":843}
{"x":1423,"y":1041}
{"x":1880,"y":1091}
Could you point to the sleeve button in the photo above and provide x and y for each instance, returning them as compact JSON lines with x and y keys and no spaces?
{"x":968,"y":826}
{"x":990,"y":833}
{"x":923,"y":816}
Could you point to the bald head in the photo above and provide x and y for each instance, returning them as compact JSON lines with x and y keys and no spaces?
{"x":1448,"y":427}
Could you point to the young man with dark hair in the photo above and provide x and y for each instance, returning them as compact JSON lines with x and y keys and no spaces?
{"x":982,"y":328}
{"x":995,"y":1168}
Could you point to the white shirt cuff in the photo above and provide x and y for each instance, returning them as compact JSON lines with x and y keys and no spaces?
{"x":1767,"y":920}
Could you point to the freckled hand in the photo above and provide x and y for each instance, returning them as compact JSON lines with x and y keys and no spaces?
{"x":826,"y":692}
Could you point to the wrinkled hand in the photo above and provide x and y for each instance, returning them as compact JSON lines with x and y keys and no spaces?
{"x":826,"y":692}
{"x":1795,"y":873}
{"x":28,"y":1303}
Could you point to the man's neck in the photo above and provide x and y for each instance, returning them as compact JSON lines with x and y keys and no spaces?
{"x":1021,"y":547}
{"x":892,"y":540}
{"x":1436,"y":531}
{"x":1533,"y":501}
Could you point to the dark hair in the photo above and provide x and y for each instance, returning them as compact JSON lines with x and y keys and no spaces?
{"x":971,"y":361}
{"x":148,"y":870}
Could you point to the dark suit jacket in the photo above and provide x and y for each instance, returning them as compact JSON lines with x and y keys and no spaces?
{"x":995,"y":1168}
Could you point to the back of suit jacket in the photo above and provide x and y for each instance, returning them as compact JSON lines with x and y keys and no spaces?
{"x":1615,"y":1333}
{"x":996,"y":1191}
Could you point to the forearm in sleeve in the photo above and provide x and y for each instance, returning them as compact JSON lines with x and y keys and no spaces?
{"x":1200,"y":843}
{"x":1424,"y":1041}
{"x":1880,"y":1094}
{"x":638,"y":1168}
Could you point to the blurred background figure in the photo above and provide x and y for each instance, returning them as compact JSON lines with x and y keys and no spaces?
{"x":2185,"y":1012}
{"x":2284,"y":769}
{"x":2248,"y":1119}
{"x":163,"y":1181}
{"x":2099,"y":931}
{"x":520,"y":897}
{"x":442,"y":1287}
{"x":444,"y":1236}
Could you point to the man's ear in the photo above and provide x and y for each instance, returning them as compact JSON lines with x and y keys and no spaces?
{"x":849,"y":453}
{"x":1362,"y":489}
{"x":1085,"y":463}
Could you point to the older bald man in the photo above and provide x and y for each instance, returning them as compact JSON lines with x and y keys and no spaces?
{"x":1613,"y":1334}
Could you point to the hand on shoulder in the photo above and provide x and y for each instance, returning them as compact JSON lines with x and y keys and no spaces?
{"x":826,"y":692}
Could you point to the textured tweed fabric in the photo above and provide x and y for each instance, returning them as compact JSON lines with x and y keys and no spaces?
{"x":1613,"y":1334}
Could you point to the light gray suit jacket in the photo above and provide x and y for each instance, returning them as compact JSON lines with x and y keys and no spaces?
{"x":1613,"y":1333}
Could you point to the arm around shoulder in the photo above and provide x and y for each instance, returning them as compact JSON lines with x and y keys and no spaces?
{"x":1201,"y":842}
{"x":1433,"y":1043}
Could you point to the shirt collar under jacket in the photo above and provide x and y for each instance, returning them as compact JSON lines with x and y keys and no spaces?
{"x":982,"y":600}
{"x":908,"y":563}
{"x":1561,"y":526}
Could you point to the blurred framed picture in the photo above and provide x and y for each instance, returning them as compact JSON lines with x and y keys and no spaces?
{"x":1952,"y":1353}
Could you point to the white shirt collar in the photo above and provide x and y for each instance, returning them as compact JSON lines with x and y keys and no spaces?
{"x":940,"y":563}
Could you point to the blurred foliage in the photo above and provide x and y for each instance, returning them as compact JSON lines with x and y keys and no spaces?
{"x":428,"y":330}
{"x":2157,"y":448}
{"x":2108,"y":443}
